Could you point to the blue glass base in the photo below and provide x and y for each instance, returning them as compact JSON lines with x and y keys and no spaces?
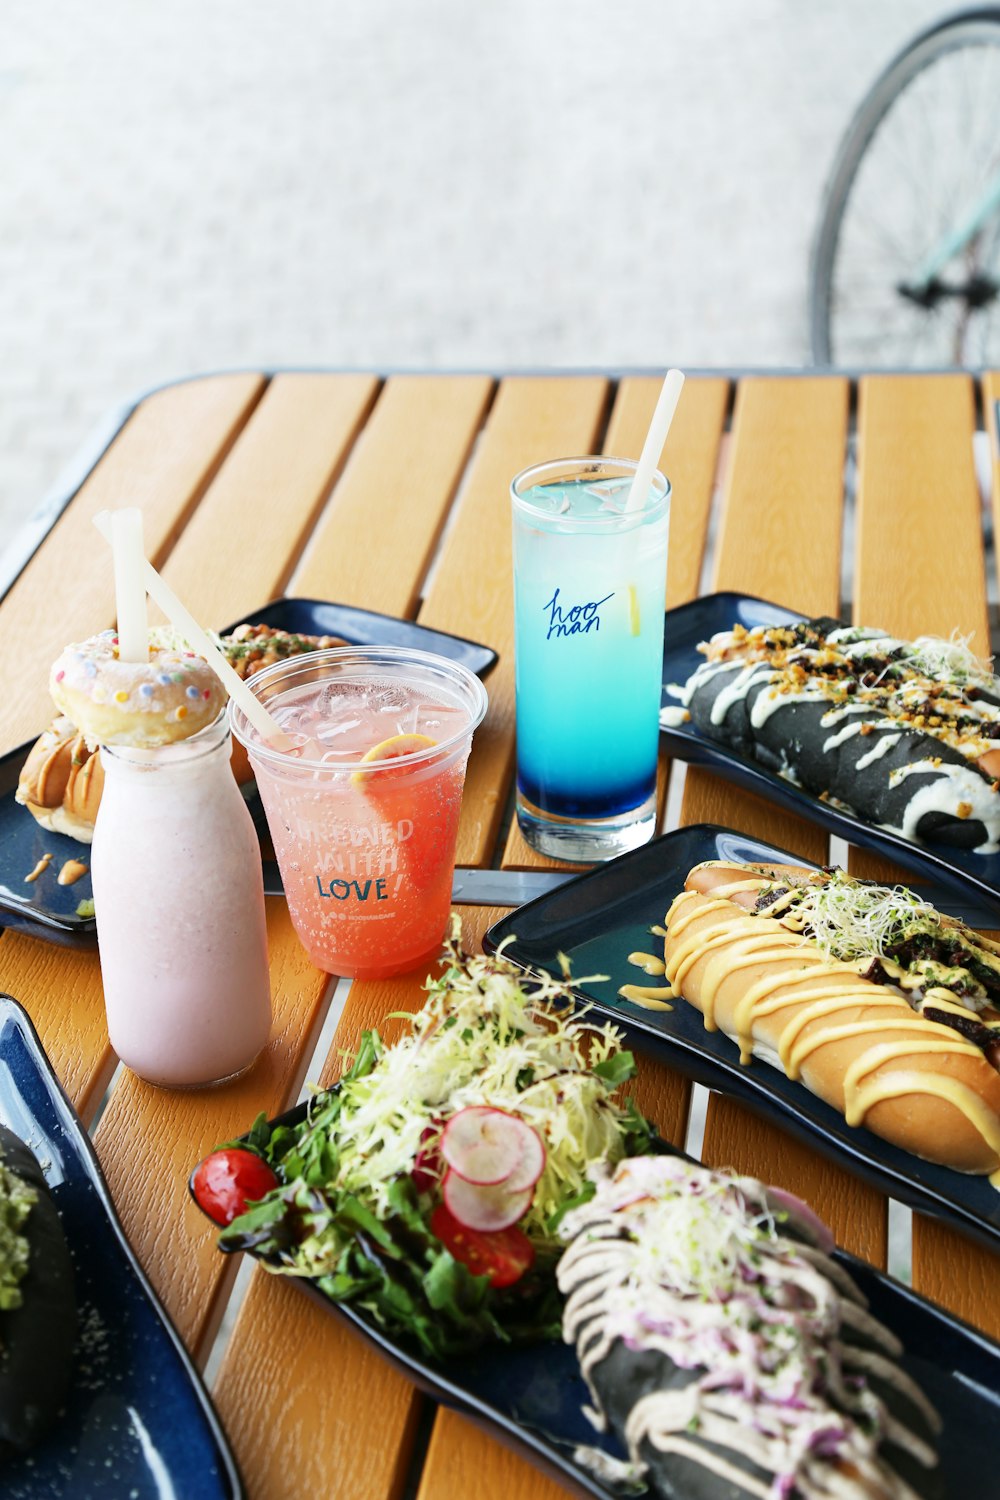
{"x":586,"y":840}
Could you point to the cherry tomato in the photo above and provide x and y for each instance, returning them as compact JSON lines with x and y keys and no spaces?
{"x":227,"y":1180}
{"x":501,"y":1254}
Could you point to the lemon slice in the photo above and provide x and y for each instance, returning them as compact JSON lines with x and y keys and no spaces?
{"x":634,"y":617}
{"x":392,"y":749}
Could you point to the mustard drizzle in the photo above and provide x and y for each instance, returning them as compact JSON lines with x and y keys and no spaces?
{"x":742,"y":943}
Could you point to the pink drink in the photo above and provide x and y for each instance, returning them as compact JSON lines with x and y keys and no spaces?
{"x":179,"y":901}
{"x":364,"y":811}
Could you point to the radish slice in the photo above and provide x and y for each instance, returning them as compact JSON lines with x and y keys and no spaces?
{"x":806,"y":1218}
{"x":483,"y":1208}
{"x":427,"y":1170}
{"x":484,"y":1145}
{"x":532,"y":1162}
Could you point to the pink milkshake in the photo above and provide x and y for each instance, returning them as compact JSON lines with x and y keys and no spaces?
{"x":179,"y":903}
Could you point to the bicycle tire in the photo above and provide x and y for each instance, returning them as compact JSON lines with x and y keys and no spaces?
{"x":928,"y":46}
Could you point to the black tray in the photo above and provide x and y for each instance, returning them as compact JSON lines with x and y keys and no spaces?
{"x":138,"y":1421}
{"x":692,"y":623}
{"x":533,"y":1397}
{"x":599,"y":918}
{"x":48,"y":909}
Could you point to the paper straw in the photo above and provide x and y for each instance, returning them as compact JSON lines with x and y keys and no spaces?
{"x":130,"y":590}
{"x":655,"y":439}
{"x":187,"y":626}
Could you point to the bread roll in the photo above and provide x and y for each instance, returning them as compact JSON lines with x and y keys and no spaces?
{"x":857,"y":1045}
{"x":729,"y":1354}
{"x":61,"y":781}
{"x":902,"y":733}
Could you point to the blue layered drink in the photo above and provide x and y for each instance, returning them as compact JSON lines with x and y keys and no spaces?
{"x":589,"y":585}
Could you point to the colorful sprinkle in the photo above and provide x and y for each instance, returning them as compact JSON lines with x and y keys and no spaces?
{"x":121,"y":696}
{"x":189,"y":653}
{"x":182,"y":712}
{"x":163,"y":678}
{"x":90,"y":668}
{"x":178,"y":676}
{"x":60,"y":676}
{"x":207,"y":693}
{"x":146,"y":690}
{"x":192,"y":692}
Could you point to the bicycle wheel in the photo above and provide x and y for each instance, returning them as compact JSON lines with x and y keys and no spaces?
{"x":920,"y":160}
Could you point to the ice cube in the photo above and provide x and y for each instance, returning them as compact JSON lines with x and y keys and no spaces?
{"x":335,"y":694}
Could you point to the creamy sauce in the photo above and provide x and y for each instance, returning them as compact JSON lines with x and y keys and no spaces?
{"x":40,"y":868}
{"x":787,"y":676}
{"x":647,"y":962}
{"x":71,"y":872}
{"x":673,"y":718}
{"x":643,"y":1253}
{"x":825,"y":990}
{"x":952,"y":785}
{"x":877,"y":751}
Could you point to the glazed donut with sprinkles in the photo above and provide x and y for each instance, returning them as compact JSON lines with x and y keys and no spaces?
{"x":113,"y":702}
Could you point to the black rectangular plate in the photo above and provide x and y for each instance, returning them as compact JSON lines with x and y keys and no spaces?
{"x":48,"y":909}
{"x":601,"y":917}
{"x":137,"y":1420}
{"x":533,"y":1397}
{"x":688,"y":625}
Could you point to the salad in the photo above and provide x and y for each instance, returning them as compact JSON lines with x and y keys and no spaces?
{"x":428,"y":1186}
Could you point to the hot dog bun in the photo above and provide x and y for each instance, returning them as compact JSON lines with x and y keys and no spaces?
{"x":857,"y":1045}
{"x":61,"y":781}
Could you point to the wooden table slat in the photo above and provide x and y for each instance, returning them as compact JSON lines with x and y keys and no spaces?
{"x":463,"y":1460}
{"x":783,"y":493}
{"x":396,"y":490}
{"x":246,"y":485}
{"x":238,"y":550}
{"x":64,"y":999}
{"x":780,"y":538}
{"x":149,"y":1139}
{"x":918,"y":514}
{"x":309,"y":1407}
{"x":167,"y":451}
{"x":689,"y":459}
{"x":532,"y":419}
{"x":919,"y":551}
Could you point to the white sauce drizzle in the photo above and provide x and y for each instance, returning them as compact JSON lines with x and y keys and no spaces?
{"x":673,"y":1258}
{"x":952,"y":785}
{"x":877,"y":751}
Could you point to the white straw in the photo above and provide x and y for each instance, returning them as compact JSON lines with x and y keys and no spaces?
{"x":655,"y":439}
{"x":187,"y":626}
{"x":130,"y":590}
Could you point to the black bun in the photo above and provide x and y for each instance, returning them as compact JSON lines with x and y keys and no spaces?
{"x":36,"y":1339}
{"x":792,"y":738}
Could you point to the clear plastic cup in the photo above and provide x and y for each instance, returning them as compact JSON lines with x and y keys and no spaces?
{"x":363,"y":811}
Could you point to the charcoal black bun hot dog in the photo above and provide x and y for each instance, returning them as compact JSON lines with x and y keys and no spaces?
{"x":726,"y":1349}
{"x":36,"y":1338}
{"x":908,"y":741}
{"x":896,"y":1036}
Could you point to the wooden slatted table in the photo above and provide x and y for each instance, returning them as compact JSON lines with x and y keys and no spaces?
{"x":393,"y":495}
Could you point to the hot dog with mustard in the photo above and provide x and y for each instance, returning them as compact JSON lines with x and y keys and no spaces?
{"x":884,"y":1008}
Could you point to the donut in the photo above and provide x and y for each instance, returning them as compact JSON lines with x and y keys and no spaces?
{"x":140,"y":704}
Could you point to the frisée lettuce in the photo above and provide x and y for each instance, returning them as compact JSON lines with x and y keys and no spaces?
{"x":360,"y":1177}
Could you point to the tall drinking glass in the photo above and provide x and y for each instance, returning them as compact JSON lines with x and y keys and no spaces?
{"x":589,"y":586}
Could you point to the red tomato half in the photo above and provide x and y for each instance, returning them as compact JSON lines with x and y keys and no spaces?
{"x":502,"y":1254}
{"x":227,"y":1180}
